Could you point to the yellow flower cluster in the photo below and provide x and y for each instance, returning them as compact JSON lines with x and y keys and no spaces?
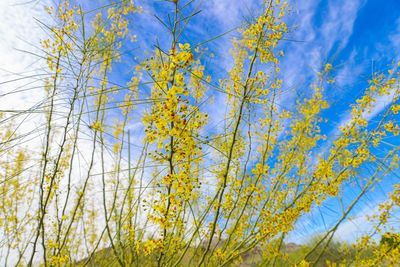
{"x":173,"y":125}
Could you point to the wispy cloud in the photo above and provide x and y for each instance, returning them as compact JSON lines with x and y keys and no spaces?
{"x":314,"y":43}
{"x":363,"y":223}
{"x":230,"y":13}
{"x":339,"y":23}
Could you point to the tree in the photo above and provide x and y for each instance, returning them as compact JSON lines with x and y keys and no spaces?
{"x":176,"y":193}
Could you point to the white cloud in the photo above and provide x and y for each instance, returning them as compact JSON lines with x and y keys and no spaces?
{"x":19,"y":31}
{"x":316,"y":42}
{"x":229,"y":12}
{"x":338,"y":25}
{"x":363,"y":223}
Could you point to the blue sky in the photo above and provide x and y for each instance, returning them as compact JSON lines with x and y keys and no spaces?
{"x":357,"y":36}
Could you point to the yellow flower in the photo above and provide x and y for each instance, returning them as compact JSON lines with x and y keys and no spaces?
{"x":395,"y":109}
{"x":97,"y":126}
{"x":327,"y":67}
